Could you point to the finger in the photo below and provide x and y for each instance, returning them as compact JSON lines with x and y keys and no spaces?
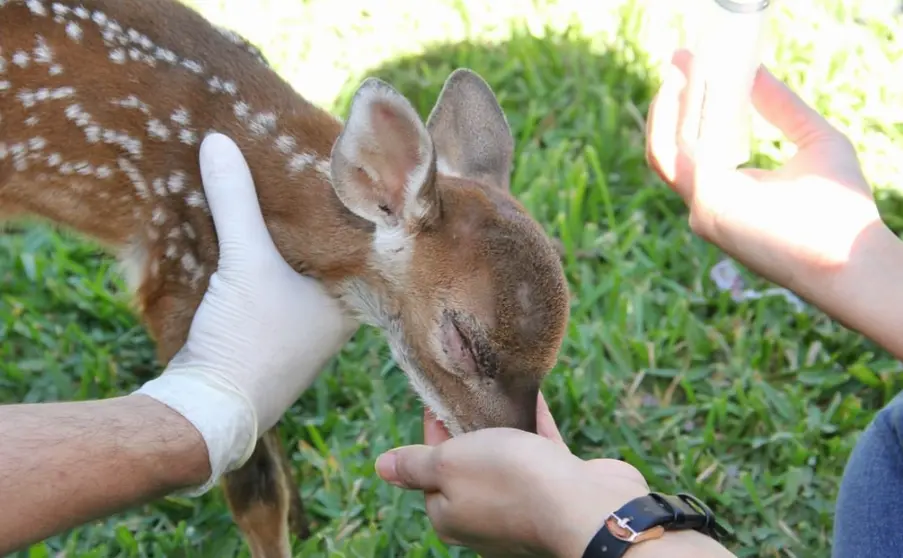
{"x":434,"y":432}
{"x":437,"y":509}
{"x":545,"y":422}
{"x":781,"y":107}
{"x":411,"y":467}
{"x":231,"y":195}
{"x":663,"y":124}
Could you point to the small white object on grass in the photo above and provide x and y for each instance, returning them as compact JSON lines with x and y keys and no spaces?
{"x":727,"y":277}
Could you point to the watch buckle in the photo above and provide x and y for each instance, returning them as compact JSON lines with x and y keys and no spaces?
{"x":624,"y":523}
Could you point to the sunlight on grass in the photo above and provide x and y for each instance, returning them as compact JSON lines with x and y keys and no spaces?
{"x":753,"y":407}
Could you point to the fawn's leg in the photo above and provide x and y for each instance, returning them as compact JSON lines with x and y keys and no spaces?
{"x":262,"y":495}
{"x":263,"y":498}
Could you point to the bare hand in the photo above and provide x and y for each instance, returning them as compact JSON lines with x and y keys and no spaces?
{"x":796,"y":225}
{"x":505,"y":492}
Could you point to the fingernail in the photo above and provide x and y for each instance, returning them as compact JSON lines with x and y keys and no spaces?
{"x":385,"y":468}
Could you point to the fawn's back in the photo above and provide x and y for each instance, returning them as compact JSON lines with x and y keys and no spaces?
{"x":101,"y":125}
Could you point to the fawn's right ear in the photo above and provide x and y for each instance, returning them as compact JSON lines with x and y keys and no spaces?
{"x":383,"y":162}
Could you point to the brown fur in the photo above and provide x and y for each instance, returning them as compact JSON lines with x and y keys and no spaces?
{"x":412,"y":226}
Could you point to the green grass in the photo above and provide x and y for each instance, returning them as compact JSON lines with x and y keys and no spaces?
{"x":751,"y":406}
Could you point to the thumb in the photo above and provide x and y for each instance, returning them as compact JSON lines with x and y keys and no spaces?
{"x":781,"y":107}
{"x":232,"y":197}
{"x":409,"y":467}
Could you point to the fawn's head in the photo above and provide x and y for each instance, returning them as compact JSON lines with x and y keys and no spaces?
{"x":465,"y":284}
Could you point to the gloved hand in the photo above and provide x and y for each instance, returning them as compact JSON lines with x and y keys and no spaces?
{"x":261,"y":334}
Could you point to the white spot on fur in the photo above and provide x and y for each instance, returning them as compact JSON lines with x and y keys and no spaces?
{"x":241,"y":109}
{"x":176,"y":182}
{"x":215,"y":84}
{"x":42,"y":52}
{"x":187,"y":136}
{"x":99,"y":18}
{"x":159,"y":186}
{"x":84,"y":168}
{"x":4,"y":85}
{"x":118,"y":56}
{"x":157,"y":129}
{"x":74,"y":30}
{"x":181,"y":117}
{"x":26,"y":97}
{"x":81,"y":12}
{"x":285,"y":144}
{"x":132,"y":263}
{"x":36,"y":7}
{"x":62,"y":93}
{"x":20,"y":58}
{"x":195,"y":199}
{"x":193,"y":66}
{"x":92,"y":133}
{"x":262,"y":123}
{"x":37,"y":143}
{"x":132,"y":102}
{"x":166,"y":55}
{"x":123,"y":140}
{"x":60,"y":9}
{"x":299,"y":162}
{"x":189,"y":232}
{"x":135,"y":176}
{"x":55,"y":70}
{"x":158,"y":217}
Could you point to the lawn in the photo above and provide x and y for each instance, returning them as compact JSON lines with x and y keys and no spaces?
{"x":752,"y":405}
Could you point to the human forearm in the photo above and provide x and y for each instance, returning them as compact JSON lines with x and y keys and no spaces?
{"x":54,"y":456}
{"x":579,"y":515}
{"x":867,"y":294}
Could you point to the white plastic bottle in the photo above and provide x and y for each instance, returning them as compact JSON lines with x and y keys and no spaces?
{"x":726,"y":60}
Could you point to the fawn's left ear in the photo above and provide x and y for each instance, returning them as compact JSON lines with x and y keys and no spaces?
{"x":383,"y":163}
{"x":470,"y":131}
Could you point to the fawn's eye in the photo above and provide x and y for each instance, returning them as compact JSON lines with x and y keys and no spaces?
{"x":467,"y":350}
{"x":457,"y":346}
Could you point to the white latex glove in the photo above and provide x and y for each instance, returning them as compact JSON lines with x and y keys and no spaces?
{"x":261,"y":334}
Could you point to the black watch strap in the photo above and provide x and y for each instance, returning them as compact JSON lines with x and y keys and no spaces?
{"x":649,"y":517}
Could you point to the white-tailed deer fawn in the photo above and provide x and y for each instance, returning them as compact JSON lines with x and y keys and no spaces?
{"x":103,"y":104}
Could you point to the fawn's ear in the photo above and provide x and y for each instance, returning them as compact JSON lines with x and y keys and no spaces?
{"x":470,"y":131}
{"x":383,"y":164}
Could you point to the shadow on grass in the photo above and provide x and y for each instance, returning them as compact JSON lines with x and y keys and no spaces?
{"x":658,"y":368}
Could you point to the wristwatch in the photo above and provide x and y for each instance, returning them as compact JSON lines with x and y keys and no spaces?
{"x":649,"y":517}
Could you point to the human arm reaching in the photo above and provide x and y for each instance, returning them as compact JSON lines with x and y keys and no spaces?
{"x":811,"y":225}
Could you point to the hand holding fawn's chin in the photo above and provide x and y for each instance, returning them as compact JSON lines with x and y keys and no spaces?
{"x":504,"y":492}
